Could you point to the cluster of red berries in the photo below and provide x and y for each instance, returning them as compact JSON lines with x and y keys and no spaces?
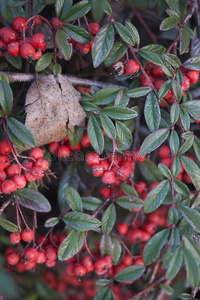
{"x":113,"y":168}
{"x":11,"y":177}
{"x":189,"y":77}
{"x":28,"y":48}
{"x":127,"y":68}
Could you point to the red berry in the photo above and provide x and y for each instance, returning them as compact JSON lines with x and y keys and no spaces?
{"x":3,"y":175}
{"x":12,"y":258}
{"x":157,"y":72}
{"x":136,"y":235}
{"x":85,"y":142}
{"x":53,"y":147}
{"x":108,"y":177}
{"x":27,"y":51}
{"x":36,"y":153}
{"x":122,"y":228}
{"x":51,"y":253}
{"x":150,"y":227}
{"x":138,"y":157}
{"x":93,"y":28}
{"x":97,"y":170}
{"x":123,"y":173}
{"x":13,"y":170}
{"x":83,"y":48}
{"x":163,"y":151}
{"x":63,"y":151}
{"x":193,"y":76}
{"x":88,"y":263}
{"x":27,"y":235}
{"x":104,"y":192}
{"x":5,"y":147}
{"x":140,"y":187}
{"x":31,"y":254}
{"x":130,"y":67}
{"x":129,"y":156}
{"x":28,"y":164}
{"x":79,"y":270}
{"x":20,"y":181}
{"x":186,"y":82}
{"x":38,"y":41}
{"x":18,"y":24}
{"x":127,"y":260}
{"x":70,"y":268}
{"x":37,"y":172}
{"x":92,"y":158}
{"x":50,"y":263}
{"x":14,"y":237}
{"x":43,"y":163}
{"x":41,"y":257}
{"x":28,"y":176}
{"x":13,"y":49}
{"x":37,"y":54}
{"x":100,"y":265}
{"x":166,"y":161}
{"x":29,"y":265}
{"x":55,"y":22}
{"x":8,"y":35}
{"x":8,"y":186}
{"x":3,"y":48}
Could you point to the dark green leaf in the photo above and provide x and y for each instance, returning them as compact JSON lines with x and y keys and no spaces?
{"x":152,"y":57}
{"x":125,"y":34}
{"x":192,"y":268}
{"x":62,"y":7}
{"x":174,"y":113}
{"x":6,"y":97}
{"x":152,"y":112}
{"x":153,"y":141}
{"x":108,"y":219}
{"x":128,"y":190}
{"x":103,"y":282}
{"x":173,"y":215}
{"x":174,"y":142}
{"x":193,"y":63}
{"x":164,"y":170}
{"x":139,"y":92}
{"x":19,"y":131}
{"x":104,"y":294}
{"x":88,"y":106}
{"x":187,"y":144}
{"x":176,"y":90}
{"x":116,"y":251}
{"x":75,"y":136}
{"x":150,"y":171}
{"x":133,"y":30}
{"x":108,"y":9}
{"x":9,"y":226}
{"x":105,"y":96}
{"x":81,"y":221}
{"x":184,"y":41}
{"x":175,"y":263}
{"x":51,"y":222}
{"x":172,"y":59}
{"x":43,"y":62}
{"x":130,"y":273}
{"x":181,"y":188}
{"x":156,"y":196}
{"x":78,"y":34}
{"x":98,"y":9}
{"x":122,"y":98}
{"x":193,"y":171}
{"x":108,"y":126}
{"x":32,"y":199}
{"x":124,"y":136}
{"x":192,"y":216}
{"x":106,"y":245}
{"x":95,"y":135}
{"x":167,"y":69}
{"x":176,"y":166}
{"x":154,"y":246}
{"x":77,"y":11}
{"x":64,"y":47}
{"x":155,"y":48}
{"x":129,"y":202}
{"x":102,"y":44}
{"x":73,"y":199}
{"x":16,"y":61}
{"x":185,"y":118}
{"x":71,"y":245}
{"x":91,"y":203}
{"x":164,"y":89}
{"x":193,"y":108}
{"x":57,"y":69}
{"x":117,"y":51}
{"x":120,"y":113}
{"x":169,"y":23}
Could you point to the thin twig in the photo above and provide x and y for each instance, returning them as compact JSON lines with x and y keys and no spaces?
{"x":4,"y":205}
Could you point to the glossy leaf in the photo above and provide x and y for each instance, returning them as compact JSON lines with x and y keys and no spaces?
{"x":181,"y":188}
{"x":62,"y":7}
{"x":192,"y":216}
{"x":130,"y":202}
{"x":73,"y":199}
{"x":9,"y":226}
{"x":151,"y":56}
{"x":133,"y":30}
{"x":130,"y":273}
{"x":77,"y":11}
{"x":193,"y":171}
{"x":193,"y":63}
{"x":152,"y":112}
{"x":174,"y":113}
{"x":193,"y":108}
{"x":95,"y":135}
{"x":120,"y":113}
{"x":175,"y":263}
{"x":164,"y":170}
{"x":125,"y":34}
{"x":81,"y":221}
{"x":124,"y":136}
{"x":169,"y":23}
{"x":104,"y":294}
{"x":192,"y":268}
{"x":108,"y":219}
{"x":78,"y":34}
{"x":6,"y":97}
{"x":105,"y":96}
{"x":64,"y":47}
{"x":150,"y":171}
{"x":91,"y":203}
{"x":108,"y":126}
{"x":43,"y":62}
{"x":174,"y":142}
{"x":139,"y":92}
{"x":51,"y":222}
{"x":75,"y":136}
{"x":117,"y":51}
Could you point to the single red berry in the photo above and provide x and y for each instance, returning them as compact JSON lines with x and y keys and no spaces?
{"x":156,"y":72}
{"x":8,"y":186}
{"x":13,"y":170}
{"x":28,"y":176}
{"x":50,"y":263}
{"x":163,"y":151}
{"x":3,"y":174}
{"x":27,"y":235}
{"x":36,"y":153}
{"x":166,"y":161}
{"x":100,"y":265}
{"x":193,"y":76}
{"x":186,"y":82}
{"x":18,"y":24}
{"x":4,"y":161}
{"x":122,"y":228}
{"x":93,"y":28}
{"x":88,"y":263}
{"x":128,"y":165}
{"x":20,"y":181}
{"x":13,"y":49}
{"x":38,"y":41}
{"x":145,"y":236}
{"x":14,"y":237}
{"x":38,"y":21}
{"x":123,"y":172}
{"x":53,"y":147}
{"x":37,"y":54}
{"x":37,"y":172}
{"x":3,"y":48}
{"x":31,"y":254}
{"x":27,"y":51}
{"x":70,"y":269}
{"x":97,"y":170}
{"x":43,"y":163}
{"x":8,"y":35}
{"x":28,"y":164}
{"x":140,"y":187}
{"x":129,"y":156}
{"x":51,"y":253}
{"x":75,"y":148}
{"x":12,"y":258}
{"x":130,"y":67}
{"x":127,"y":260}
{"x":136,"y":235}
{"x":85,"y":142}
{"x":92,"y":158}
{"x":5,"y":147}
{"x":83,"y":48}
{"x":55,"y":22}
{"x":153,"y":184}
{"x":104,"y":192}
{"x":41,"y":257}
{"x":139,"y":158}
{"x":79,"y":270}
{"x":150,"y":227}
{"x":139,"y":261}
{"x":105,"y":164}
{"x":63,"y":151}
{"x":108,"y":177}
{"x":29,"y":265}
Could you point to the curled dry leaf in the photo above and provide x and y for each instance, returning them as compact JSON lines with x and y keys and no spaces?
{"x":51,"y":103}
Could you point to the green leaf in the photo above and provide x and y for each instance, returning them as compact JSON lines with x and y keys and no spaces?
{"x":16,"y":61}
{"x":19,"y":131}
{"x":62,"y":7}
{"x":9,"y":226}
{"x":155,"y":48}
{"x":6,"y":97}
{"x":172,"y":59}
{"x":154,"y":246}
{"x":164,"y":89}
{"x":4,"y":77}
{"x":124,"y":34}
{"x":43,"y":62}
{"x":77,"y":11}
{"x":193,"y":108}
{"x":64,"y":47}
{"x":75,"y":136}
{"x":73,"y":199}
{"x":32,"y":199}
{"x":193,"y":171}
{"x":196,"y":146}
{"x":192,"y":268}
{"x":129,"y":202}
{"x":150,"y":171}
{"x":91,"y":203}
{"x":108,"y":126}
{"x":176,"y":90}
{"x":153,"y":141}
{"x":152,"y":57}
{"x":181,"y":188}
{"x":173,"y":215}
{"x":192,"y":216}
{"x":81,"y":221}
{"x":105,"y":96}
{"x":139,"y":92}
{"x":187,"y":144}
{"x":57,"y":69}
{"x":128,"y":190}
{"x":124,"y":136}
{"x":108,"y":219}
{"x":133,"y":30}
{"x":176,"y":166}
{"x":130,"y":273}
{"x":104,"y":294}
{"x":164,"y":170}
{"x":185,"y":119}
{"x":71,"y":245}
{"x":152,"y":112}
{"x":122,"y":98}
{"x":184,"y":41}
{"x":88,"y":106}
{"x":95,"y":135}
{"x":169,"y":23}
{"x":167,"y":69}
{"x":120,"y":113}
{"x":106,"y":245}
{"x":51,"y":222}
{"x":43,"y":290}
{"x":102,"y":44}
{"x":193,"y":63}
{"x":78,"y":34}
{"x":103,"y":282}
{"x":175,"y":263}
{"x":174,"y":142}
{"x":117,"y":51}
{"x":108,"y":9}
{"x":156,"y":196}
{"x":174,"y":113}
{"x":116,"y":251}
